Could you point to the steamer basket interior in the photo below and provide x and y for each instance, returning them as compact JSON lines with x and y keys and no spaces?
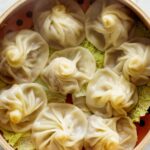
{"x":21,"y":18}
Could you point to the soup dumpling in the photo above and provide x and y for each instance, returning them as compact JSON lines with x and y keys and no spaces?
{"x":60,"y":22}
{"x":20,"y":105}
{"x":117,"y":133}
{"x":60,"y":126}
{"x":107,"y":24}
{"x":131,"y":59}
{"x":22,"y":57}
{"x":69,"y":70}
{"x":109,"y":94}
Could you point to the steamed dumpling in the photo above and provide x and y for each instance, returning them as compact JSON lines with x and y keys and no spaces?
{"x":20,"y":105}
{"x":69,"y":70}
{"x":60,"y":127}
{"x":109,"y":94}
{"x":110,"y":134}
{"x":60,"y":22}
{"x":22,"y":57}
{"x":107,"y":24}
{"x":131,"y":59}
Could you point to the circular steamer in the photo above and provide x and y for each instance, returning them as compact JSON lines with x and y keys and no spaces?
{"x":19,"y":16}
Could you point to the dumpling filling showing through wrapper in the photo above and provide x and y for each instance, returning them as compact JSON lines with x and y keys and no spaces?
{"x":18,"y":56}
{"x":118,"y":133}
{"x":107,"y":24}
{"x":68,"y":71}
{"x":20,"y":105}
{"x":60,"y":22}
{"x":60,"y":126}
{"x":132,"y":60}
{"x":109,"y":94}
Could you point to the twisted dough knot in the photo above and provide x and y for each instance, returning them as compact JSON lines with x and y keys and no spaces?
{"x":15,"y":58}
{"x":109,"y":20}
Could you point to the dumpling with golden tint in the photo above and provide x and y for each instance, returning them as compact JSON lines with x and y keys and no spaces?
{"x":109,"y":94}
{"x":23,"y":55}
{"x":108,"y":24}
{"x":69,"y":70}
{"x":131,"y":59}
{"x":20,"y":105}
{"x":60,"y":127}
{"x":117,"y":133}
{"x":60,"y":22}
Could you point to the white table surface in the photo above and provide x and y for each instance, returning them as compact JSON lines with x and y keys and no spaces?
{"x":144,"y":4}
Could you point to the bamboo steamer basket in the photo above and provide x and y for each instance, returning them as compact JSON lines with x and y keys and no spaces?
{"x":24,"y":7}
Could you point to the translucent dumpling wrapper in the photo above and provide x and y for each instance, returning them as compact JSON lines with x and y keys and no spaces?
{"x":60,"y":126}
{"x":117,"y":133}
{"x":79,"y":100}
{"x":81,"y":103}
{"x":52,"y":97}
{"x":69,"y":70}
{"x":109,"y":94}
{"x":60,"y":22}
{"x":18,"y":56}
{"x":131,"y":59}
{"x":20,"y":105}
{"x":107,"y":24}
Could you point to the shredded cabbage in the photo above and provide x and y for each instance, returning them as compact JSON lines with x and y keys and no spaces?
{"x":143,"y":103}
{"x":19,"y":141}
{"x":98,"y":55}
{"x":25,"y":143}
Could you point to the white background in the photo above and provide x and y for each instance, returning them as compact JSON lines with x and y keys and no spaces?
{"x":144,"y":4}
